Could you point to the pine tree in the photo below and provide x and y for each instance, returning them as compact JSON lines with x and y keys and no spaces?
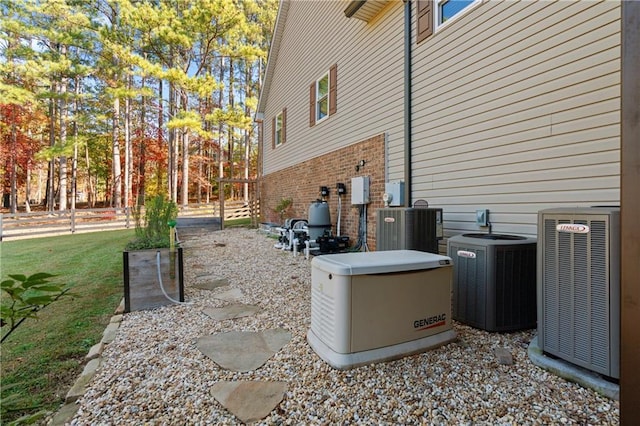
{"x":137,"y":74}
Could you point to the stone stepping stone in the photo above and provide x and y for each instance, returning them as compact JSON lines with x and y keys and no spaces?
{"x":503,"y":356}
{"x":233,"y":294}
{"x":243,"y":350}
{"x":231,"y":311}
{"x":210,"y":284}
{"x":249,"y":401}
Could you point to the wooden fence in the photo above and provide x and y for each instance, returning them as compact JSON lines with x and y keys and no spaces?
{"x":42,"y":224}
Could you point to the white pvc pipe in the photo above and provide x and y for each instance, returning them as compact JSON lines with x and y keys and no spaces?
{"x":308,"y":248}
{"x":162,"y":286}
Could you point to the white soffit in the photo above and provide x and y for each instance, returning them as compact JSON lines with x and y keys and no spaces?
{"x":365,"y":10}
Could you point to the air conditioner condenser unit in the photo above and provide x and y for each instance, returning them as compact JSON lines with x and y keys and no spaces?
{"x":494,"y":281}
{"x":579,"y":287}
{"x":376,"y":306}
{"x":409,"y":228}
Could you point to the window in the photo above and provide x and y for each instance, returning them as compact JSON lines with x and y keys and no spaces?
{"x":279,"y":129}
{"x":323,"y":96}
{"x":432,"y":14}
{"x":447,"y":9}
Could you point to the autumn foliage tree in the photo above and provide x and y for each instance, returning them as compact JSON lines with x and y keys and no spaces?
{"x":126,"y":98}
{"x":19,"y":130}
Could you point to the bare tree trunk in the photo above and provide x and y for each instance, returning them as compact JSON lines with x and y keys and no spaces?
{"x":74,"y":165}
{"x":116,"y":200}
{"x":247,"y":147}
{"x":247,"y":140}
{"x":39,"y":190}
{"x":51,"y":203}
{"x":27,"y":206}
{"x":62,"y":184}
{"x":209,"y":175}
{"x":27,"y":190}
{"x":13,"y":201}
{"x":13,"y":154}
{"x":199,"y":151}
{"x":13,"y":195}
{"x":160,"y":124}
{"x":170,"y":146}
{"x":91,"y":196}
{"x":220,"y":129}
{"x":185,"y":168}
{"x":142,"y":158}
{"x":231,"y":141}
{"x":62,"y":187}
{"x":128,"y":160}
{"x":173,"y":149}
{"x":185,"y":156}
{"x":200,"y":173}
{"x":174,"y":168}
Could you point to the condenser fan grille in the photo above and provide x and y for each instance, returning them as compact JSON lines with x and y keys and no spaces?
{"x":580,"y":300}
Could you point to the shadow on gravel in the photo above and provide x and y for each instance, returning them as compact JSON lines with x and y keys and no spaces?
{"x":188,"y":226}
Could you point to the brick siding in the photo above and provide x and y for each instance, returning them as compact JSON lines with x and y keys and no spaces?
{"x":301,"y":183}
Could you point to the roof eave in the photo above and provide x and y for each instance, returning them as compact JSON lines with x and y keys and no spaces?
{"x":365,"y":10}
{"x":273,"y":54}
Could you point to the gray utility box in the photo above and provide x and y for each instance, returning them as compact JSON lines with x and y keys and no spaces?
{"x":579,"y":286}
{"x":409,"y":228}
{"x":494,"y":281}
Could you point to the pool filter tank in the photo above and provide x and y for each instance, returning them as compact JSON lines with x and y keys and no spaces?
{"x":319,"y":219}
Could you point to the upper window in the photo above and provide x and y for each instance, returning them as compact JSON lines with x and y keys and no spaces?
{"x":322,"y":97}
{"x":278,"y":134}
{"x":279,"y":129}
{"x":447,"y":9}
{"x":432,"y":14}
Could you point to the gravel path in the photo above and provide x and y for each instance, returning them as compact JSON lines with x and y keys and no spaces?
{"x":154,"y":374}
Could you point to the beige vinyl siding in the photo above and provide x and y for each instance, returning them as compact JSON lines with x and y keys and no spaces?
{"x":370,"y":87}
{"x":517,"y":109}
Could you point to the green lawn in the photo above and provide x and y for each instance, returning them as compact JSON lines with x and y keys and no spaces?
{"x":43,"y":357}
{"x":238,"y":223}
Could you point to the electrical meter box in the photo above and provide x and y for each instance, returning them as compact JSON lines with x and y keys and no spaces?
{"x":394,"y":193}
{"x":360,"y":190}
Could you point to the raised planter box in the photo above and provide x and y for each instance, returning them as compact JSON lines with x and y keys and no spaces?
{"x":142,"y":285}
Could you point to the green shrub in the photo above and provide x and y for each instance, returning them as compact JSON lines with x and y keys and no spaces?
{"x":152,"y":229}
{"x":27,"y":296}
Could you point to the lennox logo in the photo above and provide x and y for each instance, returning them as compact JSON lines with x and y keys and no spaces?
{"x":389,"y":219}
{"x":574,"y":228}
{"x":467,"y":254}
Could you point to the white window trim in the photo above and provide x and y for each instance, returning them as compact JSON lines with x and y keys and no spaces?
{"x":278,"y":130}
{"x":436,"y":13}
{"x":318,"y":99}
